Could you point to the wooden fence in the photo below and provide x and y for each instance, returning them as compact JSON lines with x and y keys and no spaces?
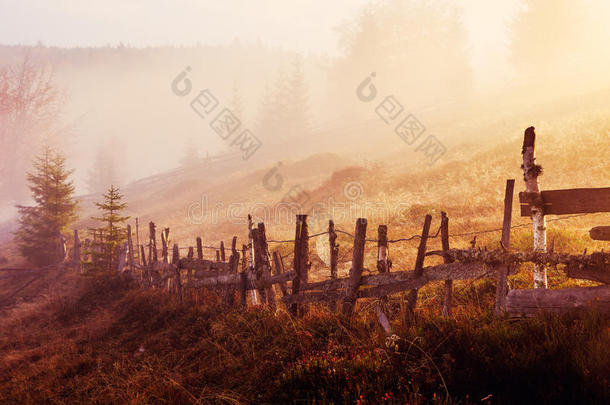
{"x":257,"y":276}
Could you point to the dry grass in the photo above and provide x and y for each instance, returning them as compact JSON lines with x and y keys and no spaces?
{"x":106,"y":343}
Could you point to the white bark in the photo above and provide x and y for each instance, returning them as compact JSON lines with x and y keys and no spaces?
{"x":539,"y":222}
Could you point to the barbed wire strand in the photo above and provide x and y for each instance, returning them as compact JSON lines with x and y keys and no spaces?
{"x":417,"y":236}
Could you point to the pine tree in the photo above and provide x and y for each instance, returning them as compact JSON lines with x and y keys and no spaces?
{"x":113,"y":234}
{"x":41,"y":226}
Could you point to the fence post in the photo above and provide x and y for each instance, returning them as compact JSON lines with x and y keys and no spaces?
{"x":244,"y":257}
{"x":223,"y":257}
{"x":218,"y":256}
{"x":165,"y":244}
{"x":334,"y":256}
{"x":448,"y":293}
{"x":152,"y":245}
{"x":142,"y":255}
{"x":138,"y":240}
{"x":191,"y":253}
{"x":176,"y":265}
{"x":257,"y":271}
{"x":502,"y":285}
{"x":263,"y":265}
{"x":355,"y":273}
{"x":419,"y":262}
{"x":301,"y":260}
{"x":383,"y":267}
{"x":199,"y":248}
{"x":279,"y":269}
{"x":531,"y":171}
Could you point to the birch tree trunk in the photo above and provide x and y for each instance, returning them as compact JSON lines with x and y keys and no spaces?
{"x":531,"y":171}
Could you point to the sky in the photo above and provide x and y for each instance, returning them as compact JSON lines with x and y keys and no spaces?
{"x":306,"y":26}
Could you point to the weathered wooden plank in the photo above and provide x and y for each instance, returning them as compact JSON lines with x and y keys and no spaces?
{"x":533,"y":301}
{"x":378,"y":285}
{"x":569,"y":201}
{"x":441,"y":272}
{"x":237,"y":279}
{"x":600,"y":233}
{"x":599,"y":273}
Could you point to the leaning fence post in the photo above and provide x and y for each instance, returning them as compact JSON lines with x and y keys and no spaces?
{"x":419,"y":262}
{"x":383,"y":267}
{"x":355,"y":273}
{"x":176,"y":266}
{"x":502,"y":286}
{"x":531,"y":171}
{"x":448,"y":296}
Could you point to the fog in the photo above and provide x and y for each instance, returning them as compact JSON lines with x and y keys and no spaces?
{"x":289,"y":71}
